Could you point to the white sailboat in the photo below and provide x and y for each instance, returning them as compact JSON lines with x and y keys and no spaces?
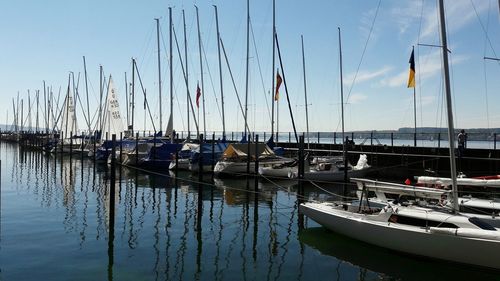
{"x":429,"y":232}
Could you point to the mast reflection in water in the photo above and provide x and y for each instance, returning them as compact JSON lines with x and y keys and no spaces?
{"x":60,"y":220}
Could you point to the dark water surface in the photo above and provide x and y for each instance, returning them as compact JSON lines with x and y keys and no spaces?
{"x":58,"y":223}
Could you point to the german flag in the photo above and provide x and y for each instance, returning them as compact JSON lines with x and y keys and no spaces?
{"x":411,"y":78}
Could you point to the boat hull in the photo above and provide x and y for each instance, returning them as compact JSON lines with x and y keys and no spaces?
{"x":411,"y":240}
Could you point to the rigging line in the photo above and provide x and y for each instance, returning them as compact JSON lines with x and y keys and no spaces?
{"x":185,"y":80}
{"x":211,"y":80}
{"x":260,"y":70}
{"x":484,"y":29}
{"x":364,"y":51}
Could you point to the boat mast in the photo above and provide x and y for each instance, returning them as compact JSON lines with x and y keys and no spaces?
{"x":447,"y":88}
{"x":220,"y":75}
{"x":126,"y":99}
{"x":187,"y":77}
{"x":305,"y":88}
{"x":247,"y":65}
{"x":273,"y":75}
{"x":100,"y":100}
{"x":201,"y":72}
{"x":87,"y":93}
{"x":159,"y":69}
{"x":132,"y":98}
{"x":344,"y":147}
{"x":171,"y":120}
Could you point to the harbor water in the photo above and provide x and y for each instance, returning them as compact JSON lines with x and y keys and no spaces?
{"x":59,"y":220}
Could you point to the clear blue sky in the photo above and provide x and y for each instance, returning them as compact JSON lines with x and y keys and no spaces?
{"x":45,"y":40}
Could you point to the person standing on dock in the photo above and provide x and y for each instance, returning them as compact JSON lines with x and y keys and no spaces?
{"x":462,"y":142}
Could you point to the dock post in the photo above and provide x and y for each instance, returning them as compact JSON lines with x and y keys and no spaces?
{"x":301,"y":165}
{"x":121,"y":147}
{"x":248,"y":154}
{"x":318,"y":137}
{"x":256,"y":156}
{"x":371,"y":138}
{"x":70,"y":146}
{"x":95,"y":144}
{"x":439,"y":140}
{"x":136,"y":149}
{"x":62,"y":145}
{"x":495,"y":141}
{"x":334,"y":137}
{"x":256,"y":186}
{"x":112,"y":182}
{"x":200,"y":160}
{"x":154,"y":145}
{"x":392,"y":139}
{"x":213,"y":155}
{"x":289,"y":137}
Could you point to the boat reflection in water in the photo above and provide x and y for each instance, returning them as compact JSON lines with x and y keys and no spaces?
{"x":62,"y":212}
{"x":385,"y":263}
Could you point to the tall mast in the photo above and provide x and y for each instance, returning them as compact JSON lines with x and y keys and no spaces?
{"x":305,"y":88}
{"x":220,"y":75}
{"x":247,"y":65}
{"x":171,"y":120}
{"x":37,"y":106}
{"x":87,"y":94}
{"x":45,"y":108}
{"x":344,"y":147}
{"x":187,"y":75}
{"x":201,"y":72}
{"x":101,"y":89}
{"x":272,"y":71}
{"x":132,"y":93}
{"x":159,"y":69}
{"x":447,"y":88}
{"x":126,"y":99}
{"x":29,"y":111}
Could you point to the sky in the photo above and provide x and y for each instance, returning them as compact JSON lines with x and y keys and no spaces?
{"x":46,"y":41}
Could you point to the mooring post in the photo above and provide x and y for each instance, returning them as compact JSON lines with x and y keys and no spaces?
{"x":301,"y":165}
{"x":62,"y":144}
{"x":249,"y":156}
{"x":392,"y":139}
{"x":371,"y":138}
{"x":289,"y":137}
{"x":70,"y":146}
{"x":439,"y":140}
{"x":334,"y":137}
{"x":154,"y":145}
{"x":121,"y":147}
{"x":213,"y":155}
{"x":200,"y":160}
{"x":95,"y":143}
{"x":495,"y":141}
{"x":318,"y":137}
{"x":136,"y":149}
{"x":256,"y":183}
{"x":112,"y":182}
{"x":256,"y":156}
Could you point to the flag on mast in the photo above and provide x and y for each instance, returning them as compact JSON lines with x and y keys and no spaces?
{"x":278,"y":84}
{"x":411,"y":78}
{"x":198,"y":95}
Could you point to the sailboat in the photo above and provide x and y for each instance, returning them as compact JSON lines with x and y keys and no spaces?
{"x":67,"y":142}
{"x":112,"y":124}
{"x":432,"y":232}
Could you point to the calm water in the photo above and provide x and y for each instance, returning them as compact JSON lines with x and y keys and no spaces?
{"x":58,"y":223}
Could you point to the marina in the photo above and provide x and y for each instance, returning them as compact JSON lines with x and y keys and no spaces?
{"x":56,"y":218}
{"x":200,"y":147}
